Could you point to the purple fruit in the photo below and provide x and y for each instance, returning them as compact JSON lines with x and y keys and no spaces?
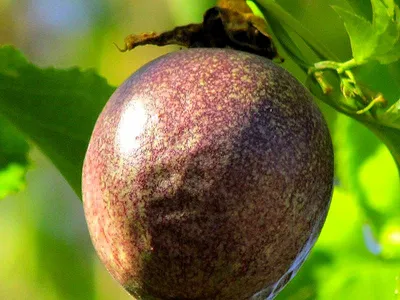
{"x":208,"y":176}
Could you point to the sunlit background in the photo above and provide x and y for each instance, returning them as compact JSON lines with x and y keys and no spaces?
{"x":45,"y":249}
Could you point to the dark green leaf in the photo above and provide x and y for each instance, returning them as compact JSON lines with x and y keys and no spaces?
{"x":13,"y":148}
{"x":361,"y":8}
{"x":56,"y":109}
{"x":13,"y":159}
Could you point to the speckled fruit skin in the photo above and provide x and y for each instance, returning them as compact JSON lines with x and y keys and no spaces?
{"x":208,"y":176}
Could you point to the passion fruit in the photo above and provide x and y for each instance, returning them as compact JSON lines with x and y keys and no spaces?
{"x":208,"y":176}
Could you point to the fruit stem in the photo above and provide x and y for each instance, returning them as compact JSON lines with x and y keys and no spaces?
{"x":229,"y":24}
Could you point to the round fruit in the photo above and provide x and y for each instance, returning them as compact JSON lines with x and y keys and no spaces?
{"x":208,"y":176}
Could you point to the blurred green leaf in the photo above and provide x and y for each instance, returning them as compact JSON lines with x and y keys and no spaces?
{"x":13,"y":159}
{"x":383,"y":191}
{"x":189,"y":11}
{"x":57,"y":260}
{"x":391,"y":138}
{"x":355,"y":277}
{"x":390,"y":240}
{"x":56,"y":109}
{"x":357,"y":145}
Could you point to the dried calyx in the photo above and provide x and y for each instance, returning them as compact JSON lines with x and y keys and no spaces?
{"x":229,"y":24}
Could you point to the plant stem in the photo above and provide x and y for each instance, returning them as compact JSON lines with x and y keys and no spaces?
{"x":337,"y":66}
{"x":375,"y":101}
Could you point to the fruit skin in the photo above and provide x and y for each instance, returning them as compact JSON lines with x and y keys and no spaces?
{"x":208,"y":176}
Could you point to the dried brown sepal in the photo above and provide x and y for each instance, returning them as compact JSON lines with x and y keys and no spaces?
{"x":230,"y":24}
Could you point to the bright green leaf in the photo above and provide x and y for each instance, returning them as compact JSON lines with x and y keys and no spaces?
{"x":56,"y":109}
{"x":13,"y":159}
{"x":382,"y":16}
{"x":393,"y":54}
{"x":362,"y":36}
{"x":378,"y":40}
{"x":12,"y":179}
{"x":390,"y":4}
{"x":387,"y":26}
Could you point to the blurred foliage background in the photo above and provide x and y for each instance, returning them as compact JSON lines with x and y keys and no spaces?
{"x":46,"y":251}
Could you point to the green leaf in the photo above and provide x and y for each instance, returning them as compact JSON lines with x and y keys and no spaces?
{"x":288,"y":44}
{"x":382,"y":16}
{"x":387,"y":25}
{"x":379,"y":40}
{"x":270,"y":9}
{"x":362,"y":37}
{"x":13,"y":159}
{"x":361,"y":8}
{"x":393,"y":54}
{"x":56,"y":109}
